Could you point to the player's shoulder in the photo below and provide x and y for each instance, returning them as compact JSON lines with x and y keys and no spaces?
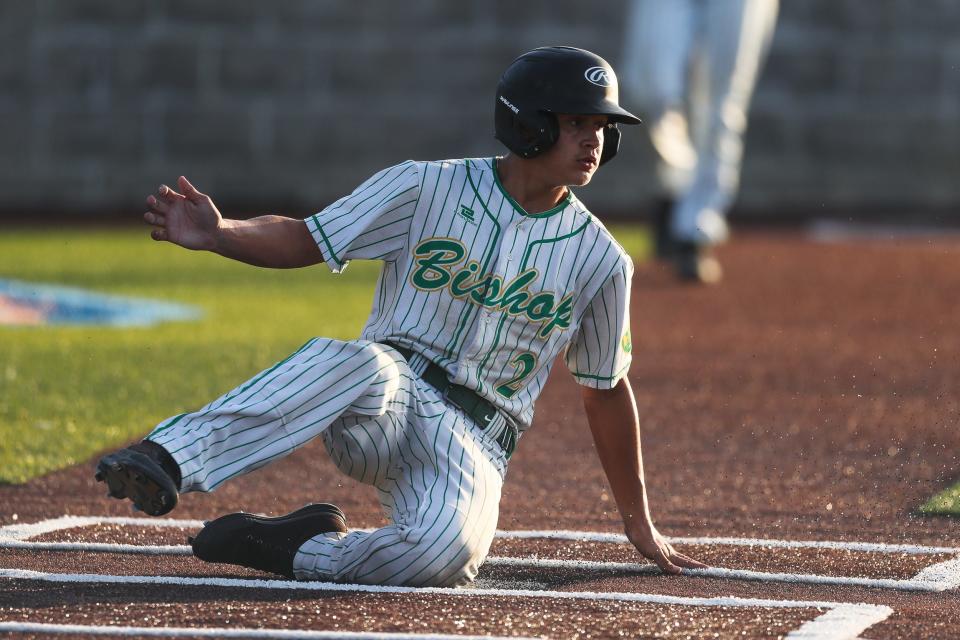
{"x":600,"y":233}
{"x":473,"y":165}
{"x":409,"y":170}
{"x":454,"y":170}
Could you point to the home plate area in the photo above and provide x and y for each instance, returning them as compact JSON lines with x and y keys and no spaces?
{"x":135,"y":577}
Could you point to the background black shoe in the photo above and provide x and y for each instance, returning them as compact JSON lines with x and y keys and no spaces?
{"x":664,"y":245}
{"x":267,"y":544}
{"x":696,"y":263}
{"x":145,"y":473}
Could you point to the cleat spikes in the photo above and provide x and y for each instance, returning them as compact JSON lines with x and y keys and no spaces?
{"x":133,"y":475}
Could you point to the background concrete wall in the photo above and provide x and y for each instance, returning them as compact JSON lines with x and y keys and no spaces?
{"x":284,"y":106}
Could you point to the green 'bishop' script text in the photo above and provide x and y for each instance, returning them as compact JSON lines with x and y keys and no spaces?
{"x":435,"y":259}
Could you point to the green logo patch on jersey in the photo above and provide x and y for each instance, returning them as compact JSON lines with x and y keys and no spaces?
{"x":626,"y":343}
{"x":467,"y":213}
{"x":435,"y":258}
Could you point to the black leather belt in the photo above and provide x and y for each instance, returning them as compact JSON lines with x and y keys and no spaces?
{"x":480,"y":410}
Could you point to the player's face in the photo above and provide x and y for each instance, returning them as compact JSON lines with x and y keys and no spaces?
{"x":576,"y":155}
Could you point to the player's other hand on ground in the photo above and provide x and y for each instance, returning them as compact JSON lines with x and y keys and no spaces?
{"x":188,"y":218}
{"x":654,"y":546}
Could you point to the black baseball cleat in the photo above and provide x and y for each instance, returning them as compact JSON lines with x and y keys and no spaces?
{"x":664,"y":244}
{"x":266,"y":544}
{"x":696,"y":263}
{"x":145,"y":473}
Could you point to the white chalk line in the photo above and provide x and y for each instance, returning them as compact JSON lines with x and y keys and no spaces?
{"x":294,"y":585}
{"x":941,"y":579}
{"x":845,"y":618}
{"x":25,"y":531}
{"x":100,"y":547}
{"x":915,"y":584}
{"x":851,"y":619}
{"x":934,"y":578}
{"x":842,"y":623}
{"x":31,"y":530}
{"x":874,"y":547}
{"x":215,"y":632}
{"x":945,"y":574}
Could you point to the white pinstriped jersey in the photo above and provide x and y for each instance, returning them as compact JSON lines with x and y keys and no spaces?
{"x":483,"y":289}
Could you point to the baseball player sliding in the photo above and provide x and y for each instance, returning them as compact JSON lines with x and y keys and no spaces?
{"x":491,"y":269}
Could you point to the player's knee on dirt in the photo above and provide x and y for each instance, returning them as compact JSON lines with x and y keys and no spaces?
{"x":395,"y":556}
{"x":447,"y":559}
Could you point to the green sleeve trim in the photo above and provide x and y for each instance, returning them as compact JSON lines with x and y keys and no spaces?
{"x":587,"y":375}
{"x":326,"y":241}
{"x":619,"y":374}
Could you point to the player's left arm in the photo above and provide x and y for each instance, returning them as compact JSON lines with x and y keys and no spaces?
{"x":612,"y":414}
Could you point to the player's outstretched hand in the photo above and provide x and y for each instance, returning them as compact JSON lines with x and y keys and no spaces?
{"x":189,"y":218}
{"x":655,"y":547}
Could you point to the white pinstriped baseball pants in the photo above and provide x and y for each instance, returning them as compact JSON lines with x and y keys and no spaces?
{"x":438,"y":477}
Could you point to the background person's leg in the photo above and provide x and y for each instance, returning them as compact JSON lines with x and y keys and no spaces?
{"x":736,"y":36}
{"x":655,"y":75}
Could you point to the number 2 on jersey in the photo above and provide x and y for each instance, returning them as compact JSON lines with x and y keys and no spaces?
{"x":524,"y":364}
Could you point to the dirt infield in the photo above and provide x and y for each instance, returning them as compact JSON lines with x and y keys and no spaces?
{"x":813,"y":396}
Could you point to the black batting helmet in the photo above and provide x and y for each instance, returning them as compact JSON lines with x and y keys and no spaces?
{"x":552,"y":80}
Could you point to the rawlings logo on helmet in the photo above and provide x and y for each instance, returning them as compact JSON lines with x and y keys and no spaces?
{"x":598,"y":76}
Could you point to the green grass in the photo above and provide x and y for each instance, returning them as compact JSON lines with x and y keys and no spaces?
{"x":634,"y":239}
{"x":68,"y":392}
{"x":945,"y":503}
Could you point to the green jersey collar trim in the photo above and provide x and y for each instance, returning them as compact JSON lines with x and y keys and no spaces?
{"x":544,"y":214}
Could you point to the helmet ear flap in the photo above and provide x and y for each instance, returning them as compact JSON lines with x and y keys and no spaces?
{"x":526,"y":132}
{"x":541,"y":130}
{"x":611,"y":142}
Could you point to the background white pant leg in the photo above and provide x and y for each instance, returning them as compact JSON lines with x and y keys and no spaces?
{"x":659,"y":37}
{"x":660,"y":40}
{"x":735,"y":39}
{"x":282,"y":409}
{"x":442,"y":493}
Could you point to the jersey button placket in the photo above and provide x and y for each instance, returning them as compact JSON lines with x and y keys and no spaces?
{"x":519,"y":245}
{"x":509,"y":262}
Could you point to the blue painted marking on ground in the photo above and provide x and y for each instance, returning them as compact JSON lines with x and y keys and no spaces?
{"x":28,"y":303}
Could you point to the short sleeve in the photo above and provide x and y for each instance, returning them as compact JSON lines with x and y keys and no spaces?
{"x":371,"y":223}
{"x":600,"y":353}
